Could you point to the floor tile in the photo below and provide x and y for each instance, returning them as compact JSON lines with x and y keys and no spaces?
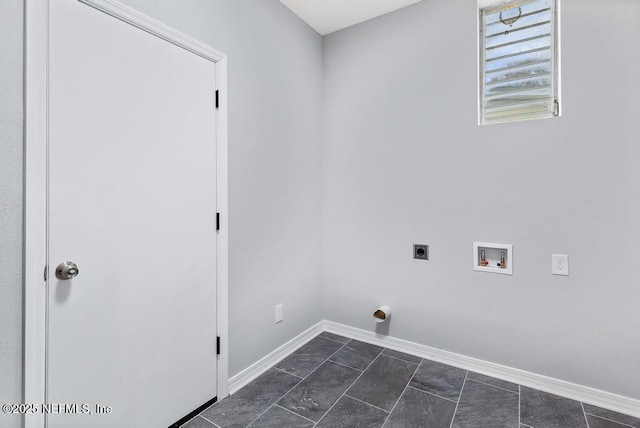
{"x":420,"y":409}
{"x":349,"y":412}
{"x":356,"y":354}
{"x":440,"y":379}
{"x":327,"y":335}
{"x":610,"y":414}
{"x":541,"y":409}
{"x":402,"y":356}
{"x":241,"y":408}
{"x":277,"y":417}
{"x":596,"y":422}
{"x":383,"y":382}
{"x":198,"y":422}
{"x":493,"y":381}
{"x":418,"y":393}
{"x":317,"y":393}
{"x":482,"y":405}
{"x":309,"y":357}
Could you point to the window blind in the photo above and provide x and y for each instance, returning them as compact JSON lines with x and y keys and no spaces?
{"x":518,"y":61}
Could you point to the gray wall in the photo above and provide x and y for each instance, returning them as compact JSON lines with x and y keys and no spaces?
{"x":405,"y":162}
{"x":275,"y":100}
{"x":10,"y":206}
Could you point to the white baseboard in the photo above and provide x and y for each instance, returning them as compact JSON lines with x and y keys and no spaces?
{"x":562,"y":388}
{"x":265,"y":363}
{"x":606,"y":400}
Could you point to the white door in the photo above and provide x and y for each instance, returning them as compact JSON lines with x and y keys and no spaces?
{"x":132,"y":201}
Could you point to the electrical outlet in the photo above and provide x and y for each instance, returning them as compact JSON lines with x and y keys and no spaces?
{"x":559,"y":264}
{"x":420,"y":252}
{"x":279,"y":313}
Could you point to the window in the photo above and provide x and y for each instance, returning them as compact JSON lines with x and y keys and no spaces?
{"x":518,"y":61}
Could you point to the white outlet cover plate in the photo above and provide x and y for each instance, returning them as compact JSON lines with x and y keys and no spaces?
{"x":279,"y":313}
{"x":560,"y":264}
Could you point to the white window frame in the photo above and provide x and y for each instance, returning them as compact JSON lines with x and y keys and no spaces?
{"x":555,"y":59}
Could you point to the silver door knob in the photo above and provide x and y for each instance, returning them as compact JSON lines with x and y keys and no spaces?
{"x":67,"y":270}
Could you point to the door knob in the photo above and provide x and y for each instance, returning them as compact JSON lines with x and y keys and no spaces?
{"x":67,"y":270}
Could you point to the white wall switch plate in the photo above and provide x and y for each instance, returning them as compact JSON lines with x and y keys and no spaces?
{"x":559,"y":264}
{"x":279,"y":313}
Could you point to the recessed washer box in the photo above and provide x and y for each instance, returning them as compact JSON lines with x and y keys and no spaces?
{"x":494,"y":258}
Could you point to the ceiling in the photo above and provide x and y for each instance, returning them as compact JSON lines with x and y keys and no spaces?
{"x":327,"y":16}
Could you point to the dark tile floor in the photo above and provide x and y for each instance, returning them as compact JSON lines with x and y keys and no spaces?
{"x":333,"y":381}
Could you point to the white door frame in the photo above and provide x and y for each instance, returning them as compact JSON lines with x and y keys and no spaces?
{"x":36,"y":188}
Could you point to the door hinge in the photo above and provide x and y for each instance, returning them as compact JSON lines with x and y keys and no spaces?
{"x":556,"y":108}
{"x":217,"y":221}
{"x":217,"y":99}
{"x":218,"y":345}
{"x":45,"y":272}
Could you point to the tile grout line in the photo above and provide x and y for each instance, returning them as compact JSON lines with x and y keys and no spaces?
{"x":265,"y":411}
{"x":364,"y":402}
{"x":431,"y":393}
{"x":293,"y":413}
{"x":402,"y":359}
{"x":498,"y":387}
{"x":584,"y":414}
{"x":519,"y":410}
{"x":459,"y":397}
{"x":607,"y":419}
{"x":276,"y":402}
{"x":328,"y":359}
{"x":333,"y":340}
{"x":349,"y":387}
{"x":185,"y":423}
{"x":346,"y":365}
{"x":403,"y":391}
{"x":284,"y":371}
{"x":214,"y":424}
{"x":301,"y":380}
